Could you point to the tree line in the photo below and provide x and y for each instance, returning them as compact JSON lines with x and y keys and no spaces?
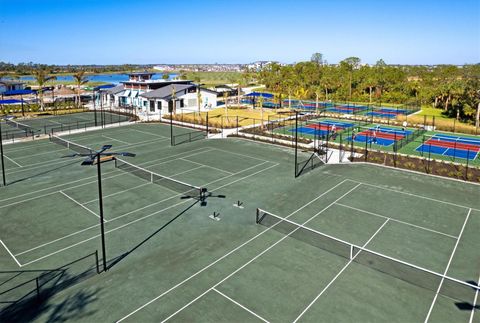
{"x":454,"y":89}
{"x":27,"y":68}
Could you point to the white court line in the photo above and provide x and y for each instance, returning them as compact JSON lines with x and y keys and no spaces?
{"x":12,"y":160}
{"x":237,"y":303}
{"x":339,"y":273}
{"x":193,"y":162}
{"x":227,"y":254}
{"x":138,"y":186}
{"x":142,"y":218}
{"x":448,"y":266}
{"x":149,"y":133}
{"x":11,"y":254}
{"x":86,"y":178}
{"x":50,"y":162}
{"x":116,"y":193}
{"x":254,"y":258}
{"x":242,"y":155}
{"x":474,"y":302}
{"x":125,"y":214}
{"x":395,"y":220}
{"x":80,"y":204}
{"x":110,"y":138}
{"x":415,"y":195}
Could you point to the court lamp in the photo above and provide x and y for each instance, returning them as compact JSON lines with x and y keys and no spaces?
{"x":99,"y":157}
{"x":1,"y":153}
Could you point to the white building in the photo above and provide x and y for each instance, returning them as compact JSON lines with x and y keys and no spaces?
{"x":150,"y":99}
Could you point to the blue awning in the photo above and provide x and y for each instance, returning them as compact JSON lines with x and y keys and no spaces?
{"x":19,"y":92}
{"x":258,"y":94}
{"x":11,"y":101}
{"x":102,"y":87}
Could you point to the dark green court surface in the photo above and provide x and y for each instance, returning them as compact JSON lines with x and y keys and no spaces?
{"x":347,"y":243}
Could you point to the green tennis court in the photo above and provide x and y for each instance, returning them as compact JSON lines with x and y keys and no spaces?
{"x":346,"y":243}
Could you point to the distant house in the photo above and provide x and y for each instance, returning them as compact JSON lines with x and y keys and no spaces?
{"x":10,"y":85}
{"x":153,"y":97}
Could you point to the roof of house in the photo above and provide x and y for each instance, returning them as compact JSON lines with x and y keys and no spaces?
{"x":165,"y":92}
{"x":114,"y":90}
{"x":10,"y":82}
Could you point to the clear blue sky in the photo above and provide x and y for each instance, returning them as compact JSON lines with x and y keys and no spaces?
{"x":206,"y":31}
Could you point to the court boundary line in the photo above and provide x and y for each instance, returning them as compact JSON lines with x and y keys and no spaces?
{"x":47,"y":163}
{"x":240,"y":305}
{"x":137,"y":219}
{"x":410,"y":171}
{"x":87,"y":178}
{"x":150,"y":133}
{"x":118,"y":217}
{"x":80,"y":204}
{"x":121,"y":141}
{"x":138,"y":186}
{"x":415,"y":195}
{"x":395,"y":220}
{"x":258,"y":255}
{"x":10,"y":159}
{"x":448,"y":266}
{"x":212,"y":167}
{"x":11,"y":254}
{"x":225,"y":255}
{"x":474,"y":302}
{"x":339,"y":273}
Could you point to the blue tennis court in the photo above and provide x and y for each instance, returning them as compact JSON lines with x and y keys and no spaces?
{"x":383,"y":136}
{"x":322,"y":128}
{"x":452,"y":146}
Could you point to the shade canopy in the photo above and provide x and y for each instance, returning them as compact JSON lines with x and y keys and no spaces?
{"x":260,"y":94}
{"x":19,"y":92}
{"x":11,"y":101}
{"x":103,"y":87}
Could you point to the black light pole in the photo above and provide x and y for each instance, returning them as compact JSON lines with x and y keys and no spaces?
{"x":92,"y":156}
{"x":100,"y":204}
{"x":3,"y":161}
{"x":94,"y":107}
{"x":296,"y":141}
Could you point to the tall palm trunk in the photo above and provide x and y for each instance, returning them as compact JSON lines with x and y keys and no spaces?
{"x":477,"y":116}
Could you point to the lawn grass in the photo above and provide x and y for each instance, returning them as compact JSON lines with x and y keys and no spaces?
{"x":218,"y":117}
{"x":214,"y":78}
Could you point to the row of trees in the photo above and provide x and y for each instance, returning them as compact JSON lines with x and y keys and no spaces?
{"x":455,"y":90}
{"x":26,"y":68}
{"x":42,"y":76}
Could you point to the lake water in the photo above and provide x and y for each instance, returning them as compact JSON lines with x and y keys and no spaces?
{"x":107,"y":78}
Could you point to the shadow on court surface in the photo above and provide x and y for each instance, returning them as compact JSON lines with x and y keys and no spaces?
{"x":43,"y":173}
{"x":27,"y":295}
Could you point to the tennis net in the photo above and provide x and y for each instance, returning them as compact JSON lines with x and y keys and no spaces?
{"x":71,"y":145}
{"x":18,"y":125}
{"x":410,"y":273}
{"x":169,"y":183}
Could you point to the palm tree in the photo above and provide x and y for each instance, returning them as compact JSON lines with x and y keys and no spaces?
{"x":199,"y":100}
{"x":80,"y":79}
{"x":42,"y":77}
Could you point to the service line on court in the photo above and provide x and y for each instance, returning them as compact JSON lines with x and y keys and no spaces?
{"x":110,"y":138}
{"x":415,"y":195}
{"x":91,"y":182}
{"x":141,"y":218}
{"x":448,"y":266}
{"x":228,"y":254}
{"x":474,"y":302}
{"x":240,"y":305}
{"x":339,"y":273}
{"x":395,"y":220}
{"x":194,"y":162}
{"x":80,"y":204}
{"x":10,"y":159}
{"x":112,"y":219}
{"x":49,"y":163}
{"x":8,"y":250}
